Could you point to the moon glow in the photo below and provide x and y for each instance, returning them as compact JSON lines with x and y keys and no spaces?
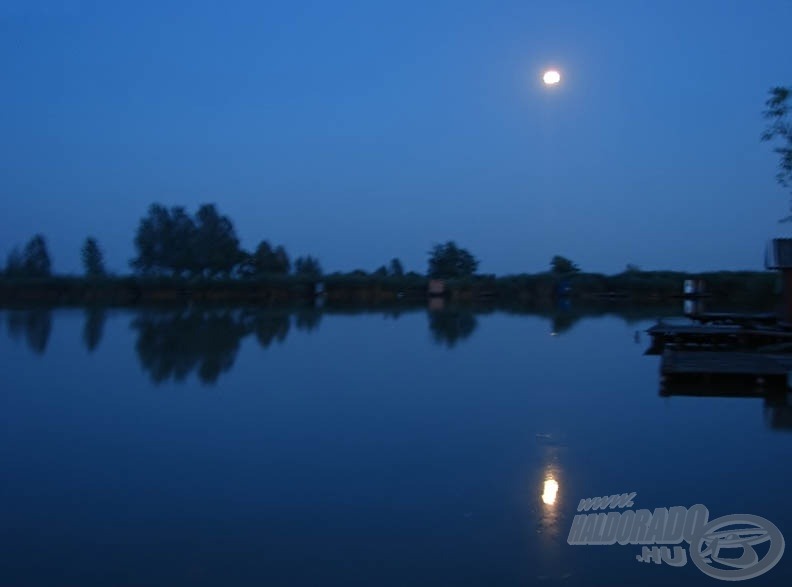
{"x":551,"y":77}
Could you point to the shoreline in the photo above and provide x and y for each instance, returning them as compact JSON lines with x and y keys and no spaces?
{"x":353,"y":289}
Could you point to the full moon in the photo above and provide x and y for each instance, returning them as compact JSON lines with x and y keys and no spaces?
{"x":551,"y":77}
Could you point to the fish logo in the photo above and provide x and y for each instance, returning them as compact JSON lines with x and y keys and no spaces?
{"x":725,"y":547}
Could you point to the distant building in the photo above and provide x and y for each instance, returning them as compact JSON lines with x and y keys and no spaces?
{"x":692,"y":288}
{"x":563,"y":288}
{"x":436,"y":304}
{"x":778,"y":256}
{"x":436,"y":287}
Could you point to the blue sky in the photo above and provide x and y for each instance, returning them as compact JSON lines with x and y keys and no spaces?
{"x":360,"y":131}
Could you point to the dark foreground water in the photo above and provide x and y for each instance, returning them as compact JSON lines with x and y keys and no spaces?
{"x":274,"y":448}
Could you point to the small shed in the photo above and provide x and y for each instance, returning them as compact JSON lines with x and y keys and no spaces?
{"x":436,"y":287}
{"x":778,"y":256}
{"x":693,"y":288}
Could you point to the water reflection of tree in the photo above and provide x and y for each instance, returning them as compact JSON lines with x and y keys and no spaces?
{"x":308,"y":318}
{"x":393,"y":313}
{"x":564,"y":321}
{"x":173,"y":345}
{"x":93,"y":328}
{"x":564,"y":317}
{"x":451,"y":326}
{"x":34,"y":325}
{"x":271,"y":326}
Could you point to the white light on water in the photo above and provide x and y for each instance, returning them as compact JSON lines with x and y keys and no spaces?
{"x":550,"y":491}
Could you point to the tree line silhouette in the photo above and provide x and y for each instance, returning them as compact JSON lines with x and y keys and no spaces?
{"x":204,"y":249}
{"x":170,"y":241}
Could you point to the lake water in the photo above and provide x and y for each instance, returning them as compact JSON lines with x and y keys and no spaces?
{"x":230,"y":447}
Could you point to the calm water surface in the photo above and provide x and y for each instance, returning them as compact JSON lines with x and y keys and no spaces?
{"x":305,"y":448}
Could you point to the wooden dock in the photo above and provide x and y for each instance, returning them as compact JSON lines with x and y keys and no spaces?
{"x":742,"y":319}
{"x":742,"y":353}
{"x":753,"y":364}
{"x":718,"y":335}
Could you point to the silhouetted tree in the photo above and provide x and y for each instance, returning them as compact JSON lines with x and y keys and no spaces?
{"x":779,"y":128}
{"x":307,"y":266}
{"x":381,"y":272}
{"x":450,"y":261}
{"x":15,"y":265}
{"x":562,"y":265}
{"x":171,"y":241}
{"x":93,"y":328}
{"x":182,"y":243}
{"x":451,"y":326}
{"x":35,"y":258}
{"x":152,"y":241}
{"x":280,"y":261}
{"x":33,"y":261}
{"x":396,"y":269}
{"x":92,"y":258}
{"x":216,"y":245}
{"x":265,"y":261}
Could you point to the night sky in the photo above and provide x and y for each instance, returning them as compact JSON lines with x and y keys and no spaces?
{"x":362,"y":131}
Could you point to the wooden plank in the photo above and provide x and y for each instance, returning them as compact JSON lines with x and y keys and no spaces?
{"x":677,"y":329}
{"x":725,"y":363}
{"x":673,"y":331}
{"x":744,"y":387}
{"x":733,"y":317}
